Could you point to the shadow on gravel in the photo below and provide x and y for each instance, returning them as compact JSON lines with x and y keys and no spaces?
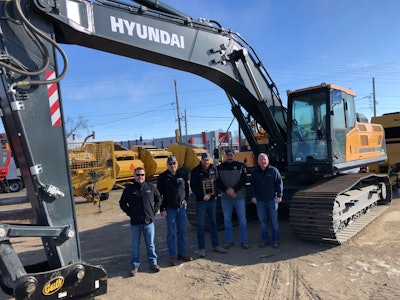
{"x":109,"y":244}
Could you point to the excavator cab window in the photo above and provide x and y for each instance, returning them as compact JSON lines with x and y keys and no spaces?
{"x":343,"y":120}
{"x":308,"y":133}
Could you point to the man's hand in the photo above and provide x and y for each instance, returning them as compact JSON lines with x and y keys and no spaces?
{"x":206,"y":197}
{"x":278,"y":200}
{"x":231,"y":192}
{"x":254,"y":200}
{"x":163,"y":213}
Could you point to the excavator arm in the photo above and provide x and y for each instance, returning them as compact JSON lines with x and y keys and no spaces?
{"x":31,"y":107}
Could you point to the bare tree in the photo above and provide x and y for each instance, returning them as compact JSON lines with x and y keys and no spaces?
{"x":73,"y":126}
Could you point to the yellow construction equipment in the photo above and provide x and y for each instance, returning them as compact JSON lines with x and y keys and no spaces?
{"x":246,"y":156}
{"x":127,"y":161}
{"x":391,"y":125}
{"x":154,"y":159}
{"x":93,"y":169}
{"x":187,"y":155}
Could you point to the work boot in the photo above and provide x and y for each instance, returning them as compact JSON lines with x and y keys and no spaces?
{"x":155,"y":268}
{"x":245,"y":246}
{"x":263,"y":244}
{"x":227,"y":245}
{"x":218,"y":249}
{"x":173,"y":261}
{"x":134,"y":271}
{"x":202,"y":252}
{"x":185,"y":257}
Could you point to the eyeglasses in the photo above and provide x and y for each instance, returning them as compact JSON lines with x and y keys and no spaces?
{"x":172,"y":163}
{"x":140,"y":174}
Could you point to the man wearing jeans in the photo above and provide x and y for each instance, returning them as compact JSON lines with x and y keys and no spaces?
{"x":140,"y":201}
{"x":266,"y":188}
{"x":174,"y":188}
{"x":232,"y":180}
{"x":203,"y":182}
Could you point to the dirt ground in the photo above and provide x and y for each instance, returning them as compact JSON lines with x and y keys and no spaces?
{"x":366,"y":267}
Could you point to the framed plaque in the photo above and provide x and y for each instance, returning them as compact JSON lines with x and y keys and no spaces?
{"x":208,"y":187}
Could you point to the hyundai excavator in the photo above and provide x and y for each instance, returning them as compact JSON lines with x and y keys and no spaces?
{"x":312,"y":141}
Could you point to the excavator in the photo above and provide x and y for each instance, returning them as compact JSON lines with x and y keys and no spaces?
{"x":312,"y":141}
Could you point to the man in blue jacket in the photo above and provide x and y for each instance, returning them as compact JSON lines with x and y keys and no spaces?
{"x":140,"y":201}
{"x":266,"y":188}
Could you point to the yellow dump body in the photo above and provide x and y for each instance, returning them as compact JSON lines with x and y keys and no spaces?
{"x":391,"y":125}
{"x":127,"y":161}
{"x":187,"y":155}
{"x":93,"y":169}
{"x":247,"y":157}
{"x":154,"y":159}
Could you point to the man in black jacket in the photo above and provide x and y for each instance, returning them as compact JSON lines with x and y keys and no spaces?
{"x":140,"y":201}
{"x":203,"y":182}
{"x":174,"y":188}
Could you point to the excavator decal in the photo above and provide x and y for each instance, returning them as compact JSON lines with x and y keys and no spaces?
{"x":145,"y":32}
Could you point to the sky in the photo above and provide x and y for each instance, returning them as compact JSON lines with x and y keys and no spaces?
{"x":301,"y":43}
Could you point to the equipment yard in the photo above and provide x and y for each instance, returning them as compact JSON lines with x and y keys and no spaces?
{"x":366,"y":267}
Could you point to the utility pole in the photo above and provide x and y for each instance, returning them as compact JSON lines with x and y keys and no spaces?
{"x":373,"y":95}
{"x":179,"y":115}
{"x":186,"y":129}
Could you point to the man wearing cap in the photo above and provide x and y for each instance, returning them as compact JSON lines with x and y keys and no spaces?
{"x":203,"y":182}
{"x":174,"y":188}
{"x":232,"y":180}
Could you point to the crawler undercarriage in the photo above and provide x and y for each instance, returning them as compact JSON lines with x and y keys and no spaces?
{"x":333,"y":210}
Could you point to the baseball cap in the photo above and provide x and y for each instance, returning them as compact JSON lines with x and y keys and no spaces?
{"x":205,"y":156}
{"x":171,"y":159}
{"x":229,"y":151}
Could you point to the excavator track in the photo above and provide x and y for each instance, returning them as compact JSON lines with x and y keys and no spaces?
{"x":333,"y":210}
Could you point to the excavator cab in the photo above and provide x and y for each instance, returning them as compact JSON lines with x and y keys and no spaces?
{"x":324,"y":135}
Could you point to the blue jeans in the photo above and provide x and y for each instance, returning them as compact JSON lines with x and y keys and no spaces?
{"x":148,"y":234}
{"x":176,"y":219}
{"x":204,"y":208}
{"x":268,"y":211}
{"x":240,"y":209}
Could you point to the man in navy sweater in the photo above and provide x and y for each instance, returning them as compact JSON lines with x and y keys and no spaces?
{"x":266,"y":189}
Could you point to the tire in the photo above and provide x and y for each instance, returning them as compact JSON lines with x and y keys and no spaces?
{"x":15,"y":185}
{"x":104,"y":196}
{"x":7,"y":290}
